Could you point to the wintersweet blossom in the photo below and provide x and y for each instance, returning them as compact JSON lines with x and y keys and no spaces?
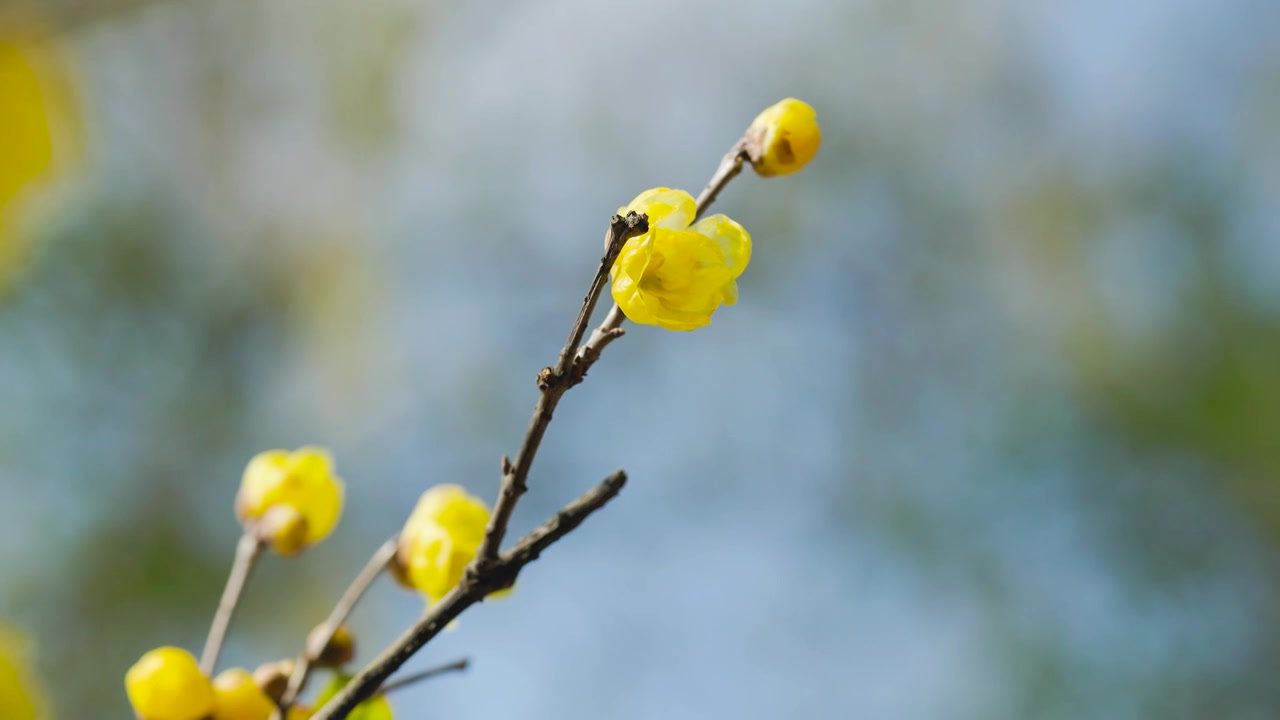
{"x":166,"y":684}
{"x":294,"y":496}
{"x":783,"y":138}
{"x":18,"y":697}
{"x":440,"y":539}
{"x":677,"y":274}
{"x":37,"y":124}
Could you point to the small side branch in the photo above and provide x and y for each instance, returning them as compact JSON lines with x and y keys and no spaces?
{"x":414,"y":678}
{"x":323,"y":633}
{"x":248,"y":550}
{"x":474,"y":587}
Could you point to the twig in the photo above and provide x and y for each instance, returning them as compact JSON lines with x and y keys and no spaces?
{"x":553,"y":382}
{"x":455,"y":666}
{"x":730,"y":166}
{"x":319,"y":638}
{"x":611,"y":328}
{"x":248,"y":549}
{"x":474,"y":587}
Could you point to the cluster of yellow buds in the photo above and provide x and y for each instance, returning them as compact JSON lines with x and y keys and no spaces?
{"x":167,"y":684}
{"x":675,"y":276}
{"x":290,"y":500}
{"x":681,"y":271}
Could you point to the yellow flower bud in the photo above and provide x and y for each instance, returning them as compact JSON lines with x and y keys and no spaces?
{"x":676,"y":275}
{"x":440,"y":539}
{"x":300,"y":712}
{"x":237,"y":697}
{"x":338,"y":651}
{"x":783,"y":138}
{"x":18,"y":697}
{"x":273,"y":677}
{"x":166,"y":684}
{"x":302,"y":481}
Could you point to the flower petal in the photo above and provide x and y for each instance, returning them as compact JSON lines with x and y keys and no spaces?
{"x":733,"y":239}
{"x":665,"y":207}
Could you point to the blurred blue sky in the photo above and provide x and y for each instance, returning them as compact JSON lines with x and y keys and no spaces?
{"x":990,"y":434}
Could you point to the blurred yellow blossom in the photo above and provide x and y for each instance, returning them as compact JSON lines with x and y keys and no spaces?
{"x":338,"y":650}
{"x":303,"y":482}
{"x":676,"y":275}
{"x":783,"y":138}
{"x":18,"y":695}
{"x":166,"y":684}
{"x":440,"y":539}
{"x":237,"y":697}
{"x":35,"y":115}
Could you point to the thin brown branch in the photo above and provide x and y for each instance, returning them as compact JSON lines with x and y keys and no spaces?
{"x":248,"y":549}
{"x":407,"y":680}
{"x":611,"y":329}
{"x":323,"y":633}
{"x":553,"y":382}
{"x":474,"y":587}
{"x":730,"y":166}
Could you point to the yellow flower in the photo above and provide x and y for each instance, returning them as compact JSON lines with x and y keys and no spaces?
{"x":18,"y":698}
{"x":783,"y":138}
{"x":35,"y":113}
{"x":677,"y":274}
{"x":166,"y":684}
{"x":440,"y":539}
{"x":302,"y":482}
{"x":236,"y":697}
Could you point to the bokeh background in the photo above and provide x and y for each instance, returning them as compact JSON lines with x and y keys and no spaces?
{"x":994,"y":431}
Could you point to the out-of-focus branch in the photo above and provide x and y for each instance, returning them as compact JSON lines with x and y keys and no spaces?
{"x":248,"y":550}
{"x":323,"y":633}
{"x":414,"y":678}
{"x":483,"y":579}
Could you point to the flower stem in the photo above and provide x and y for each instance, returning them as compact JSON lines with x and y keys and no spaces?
{"x":730,"y":166}
{"x":248,"y":549}
{"x":317,"y":641}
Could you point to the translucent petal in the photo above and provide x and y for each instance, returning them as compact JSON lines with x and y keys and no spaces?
{"x":730,"y":291}
{"x":732,"y":239}
{"x":666,"y":208}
